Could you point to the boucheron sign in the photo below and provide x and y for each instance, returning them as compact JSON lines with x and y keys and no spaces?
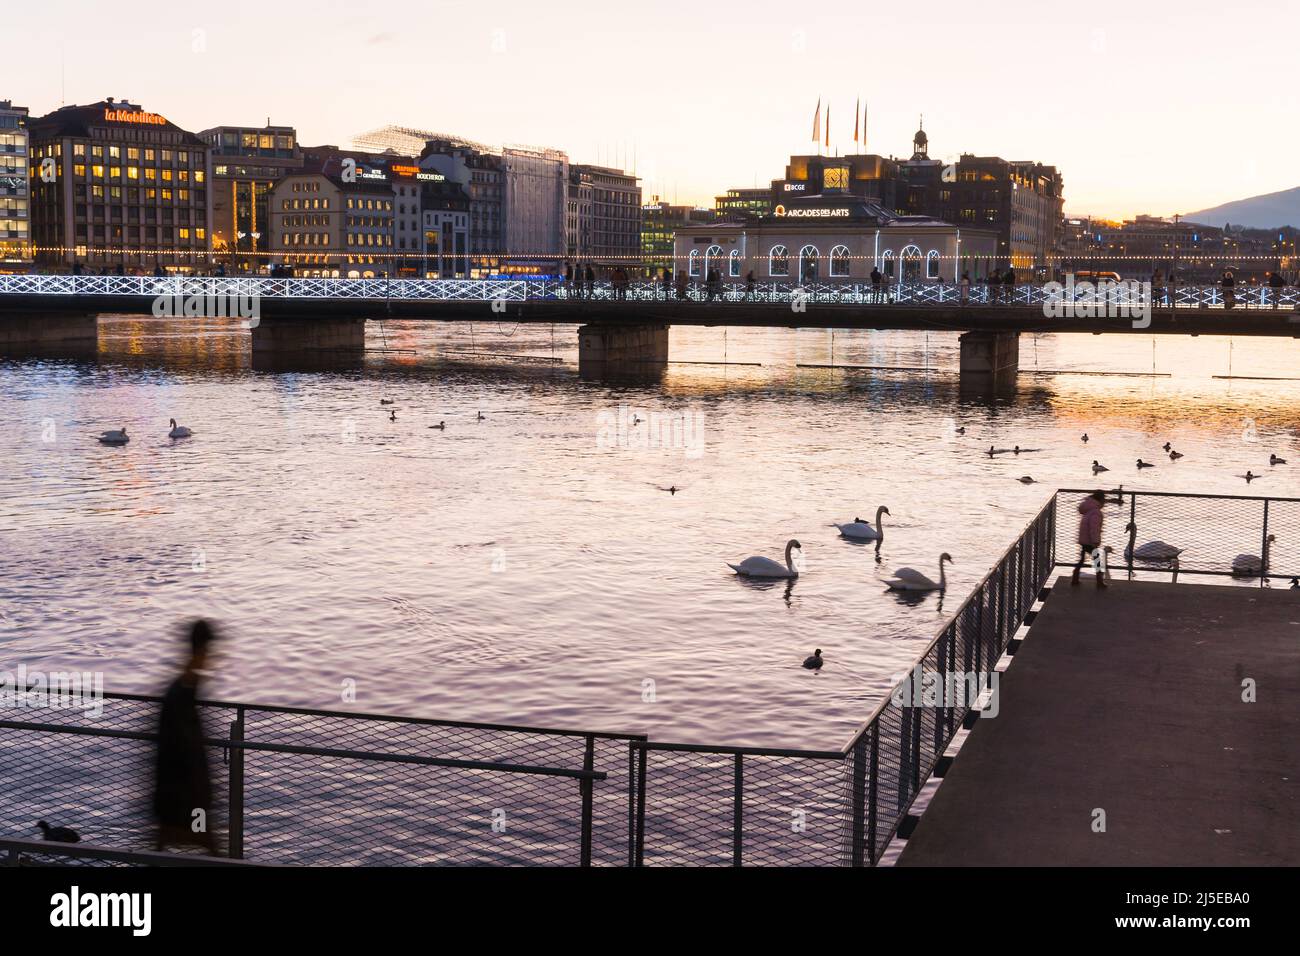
{"x":134,"y":116}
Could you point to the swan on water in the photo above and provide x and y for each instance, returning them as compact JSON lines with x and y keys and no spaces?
{"x":910,"y":579}
{"x":178,"y":431}
{"x":1154,"y":551}
{"x":814,"y":663}
{"x":1098,"y":468}
{"x":760,"y":567}
{"x":117,"y":437}
{"x":859,"y":530}
{"x":1246,"y":565}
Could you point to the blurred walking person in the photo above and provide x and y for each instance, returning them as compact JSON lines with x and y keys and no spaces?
{"x":182,"y":800}
{"x":1090,"y":521}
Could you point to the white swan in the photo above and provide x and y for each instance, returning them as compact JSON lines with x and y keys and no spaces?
{"x":859,"y":530}
{"x":760,"y":567}
{"x":909,"y":579}
{"x":1154,"y":551}
{"x":118,"y":437}
{"x":178,"y":431}
{"x":1247,"y":565}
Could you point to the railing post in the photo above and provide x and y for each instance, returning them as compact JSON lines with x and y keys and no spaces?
{"x":236,"y":785}
{"x":640,"y":804}
{"x":1132,"y":519}
{"x":588,"y":764}
{"x":738,"y":811}
{"x":873,"y":792}
{"x":859,"y":799}
{"x":1263,"y":551}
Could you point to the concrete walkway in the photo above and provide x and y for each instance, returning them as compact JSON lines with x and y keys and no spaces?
{"x":1129,"y":700}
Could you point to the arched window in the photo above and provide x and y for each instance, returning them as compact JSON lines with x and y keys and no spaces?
{"x":887,"y":262}
{"x":909,"y":264}
{"x":693,"y":264}
{"x":733,"y":264}
{"x":932,"y":264}
{"x":778,"y":261}
{"x":711,"y":258}
{"x":840,"y":261}
{"x":808,"y":256}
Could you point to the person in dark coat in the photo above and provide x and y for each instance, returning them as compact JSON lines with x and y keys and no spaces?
{"x":182,"y":783}
{"x":1090,"y":522}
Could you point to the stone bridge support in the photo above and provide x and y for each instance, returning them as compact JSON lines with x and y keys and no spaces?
{"x":36,"y":329}
{"x":287,"y":336}
{"x":618,"y":350}
{"x":989,"y":358}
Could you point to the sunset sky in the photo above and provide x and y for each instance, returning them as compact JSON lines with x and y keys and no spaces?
{"x":1157,"y":106}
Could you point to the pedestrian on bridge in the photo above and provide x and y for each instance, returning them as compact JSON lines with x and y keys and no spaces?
{"x":681,"y":283}
{"x":1276,"y":286}
{"x":965,"y":288}
{"x":1229,"y":284}
{"x":568,"y":278}
{"x":666,"y":280}
{"x":749,"y":284}
{"x":590,"y":275}
{"x":875,"y":283}
{"x":995,"y":287}
{"x":1009,"y":280}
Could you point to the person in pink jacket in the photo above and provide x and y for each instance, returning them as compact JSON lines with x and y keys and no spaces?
{"x":1090,"y":519}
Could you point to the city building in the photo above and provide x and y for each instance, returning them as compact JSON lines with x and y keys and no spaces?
{"x":835,"y":237}
{"x":117,"y":188}
{"x":739,"y":204}
{"x":247,"y":162}
{"x":445,"y":210}
{"x":604,"y":217}
{"x":478,"y":173}
{"x":15,"y":222}
{"x":333,"y":218}
{"x":660,"y":222}
{"x":534,"y":190}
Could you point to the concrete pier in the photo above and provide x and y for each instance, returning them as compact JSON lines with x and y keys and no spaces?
{"x":990,"y":357}
{"x":38,"y":329}
{"x":1147,"y":724}
{"x":618,"y":350}
{"x":288,"y":336}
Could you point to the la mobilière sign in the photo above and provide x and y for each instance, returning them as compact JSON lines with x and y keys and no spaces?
{"x":134,"y":116}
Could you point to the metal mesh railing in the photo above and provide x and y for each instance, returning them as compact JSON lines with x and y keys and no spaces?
{"x":1210,"y":532}
{"x":293,"y":785}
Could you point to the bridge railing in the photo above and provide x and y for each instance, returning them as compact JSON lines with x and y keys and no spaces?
{"x":1211,"y":532}
{"x":842,"y":292}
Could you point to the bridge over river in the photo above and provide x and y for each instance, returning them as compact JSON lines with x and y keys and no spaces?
{"x":626,"y":328}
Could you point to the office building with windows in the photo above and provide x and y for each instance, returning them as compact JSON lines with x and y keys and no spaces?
{"x":247,"y":162}
{"x":328,"y":219}
{"x":117,"y":188}
{"x":15,"y":222}
{"x":604,"y":216}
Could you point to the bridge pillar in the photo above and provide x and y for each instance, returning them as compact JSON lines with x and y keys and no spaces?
{"x":29,"y":329}
{"x":989,"y":358}
{"x":309,"y":335}
{"x":622,"y":350}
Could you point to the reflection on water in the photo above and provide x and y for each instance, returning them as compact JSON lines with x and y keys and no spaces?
{"x":533,"y":565}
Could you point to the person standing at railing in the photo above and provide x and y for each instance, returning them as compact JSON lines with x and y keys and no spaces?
{"x":589,"y":275}
{"x":681,"y":283}
{"x":1090,"y":522}
{"x":995,"y":287}
{"x":965,"y":288}
{"x":1276,"y":286}
{"x":182,"y":800}
{"x":1009,"y":281}
{"x":875,"y":283}
{"x":749,"y":285}
{"x":1229,"y":285}
{"x":568,"y":279}
{"x":666,"y":280}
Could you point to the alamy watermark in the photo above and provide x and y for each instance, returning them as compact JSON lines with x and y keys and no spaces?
{"x":640,"y":428}
{"x":196,"y":299}
{"x":1105,"y":299}
{"x":922,"y":688}
{"x":22,"y":688}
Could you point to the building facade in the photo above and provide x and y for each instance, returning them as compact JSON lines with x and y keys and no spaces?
{"x":738,"y":204}
{"x":604,"y":216}
{"x":835,"y":239}
{"x":535,"y":185}
{"x":15,"y":193}
{"x":479,"y":175}
{"x":660,"y":222}
{"x":247,"y":162}
{"x":118,"y":188}
{"x":328,"y":220}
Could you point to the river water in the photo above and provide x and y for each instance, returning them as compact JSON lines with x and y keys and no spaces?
{"x":529,"y":566}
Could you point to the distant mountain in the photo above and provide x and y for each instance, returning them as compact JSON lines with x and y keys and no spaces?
{"x":1257,"y":212}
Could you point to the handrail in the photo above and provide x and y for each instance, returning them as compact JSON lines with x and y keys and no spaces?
{"x":13,"y":849}
{"x":1170,"y":494}
{"x":227,"y":743}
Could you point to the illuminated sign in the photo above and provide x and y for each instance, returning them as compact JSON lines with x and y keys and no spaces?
{"x":794,"y":187}
{"x":831,"y":212}
{"x":408,"y":172}
{"x":835,"y":179}
{"x":134,"y":116}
